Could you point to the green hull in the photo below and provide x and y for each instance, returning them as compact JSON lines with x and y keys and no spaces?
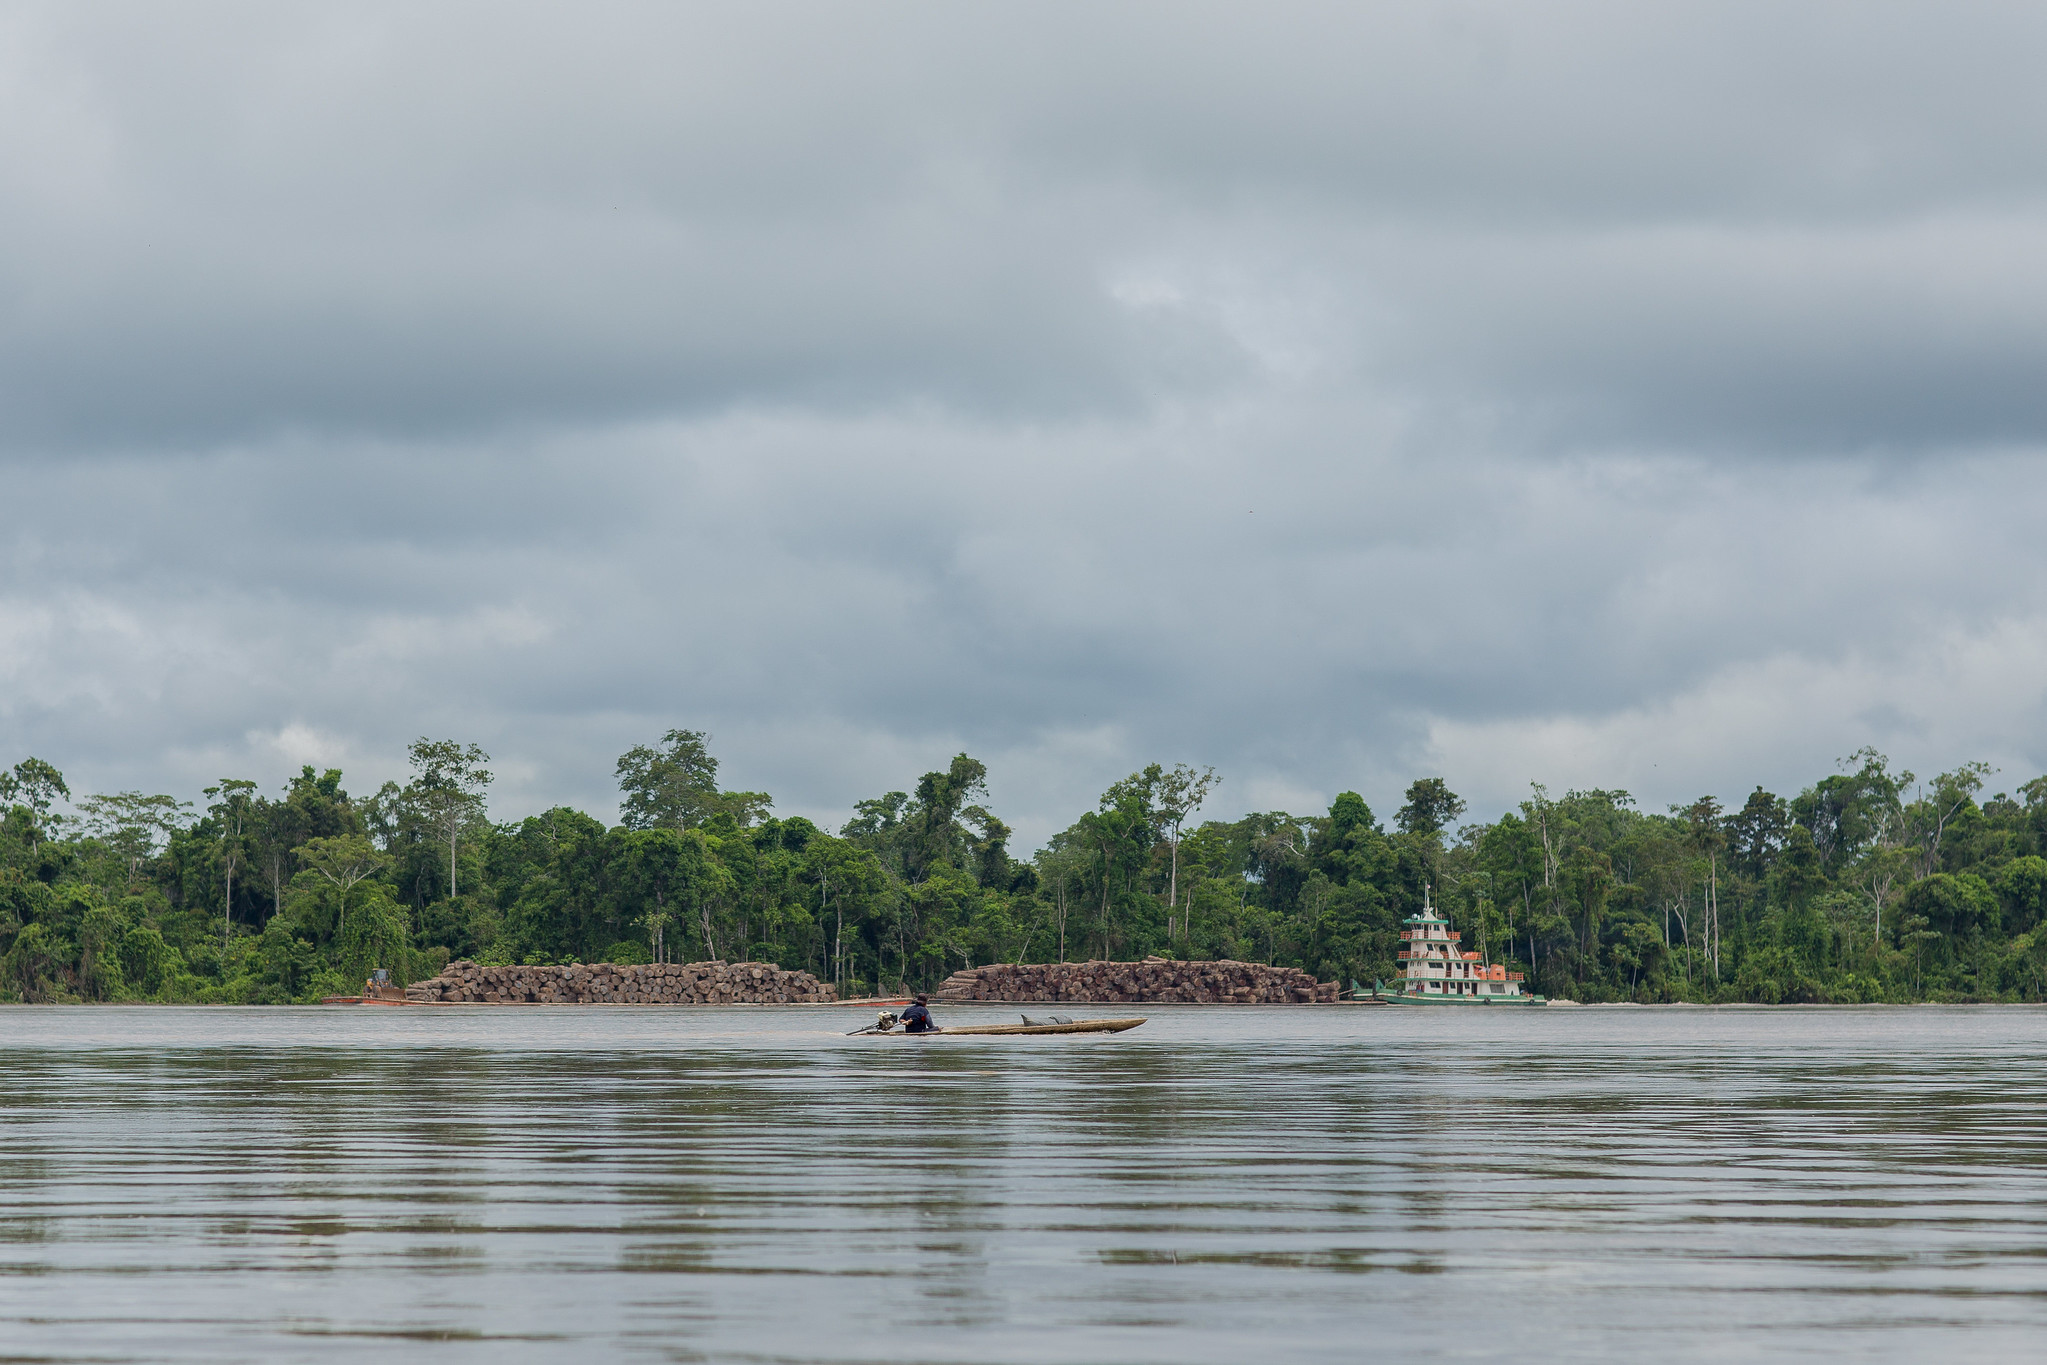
{"x":1383,"y":996}
{"x":1494,"y":1001}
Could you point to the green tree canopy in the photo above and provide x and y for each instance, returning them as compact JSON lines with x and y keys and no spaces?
{"x":1431,"y":807}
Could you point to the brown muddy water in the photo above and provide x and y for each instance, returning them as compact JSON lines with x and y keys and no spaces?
{"x":1222,"y":1185}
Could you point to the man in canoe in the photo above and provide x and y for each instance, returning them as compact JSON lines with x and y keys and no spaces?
{"x":917,"y":1018}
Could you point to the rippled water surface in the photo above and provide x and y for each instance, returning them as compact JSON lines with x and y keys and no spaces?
{"x":1220,"y":1185}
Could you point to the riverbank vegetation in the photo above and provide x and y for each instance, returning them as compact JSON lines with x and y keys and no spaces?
{"x":1870,"y":885}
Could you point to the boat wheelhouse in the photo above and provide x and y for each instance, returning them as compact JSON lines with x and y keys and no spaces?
{"x":1440,"y":972}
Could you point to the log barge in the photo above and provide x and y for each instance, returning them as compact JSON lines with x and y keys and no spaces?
{"x":603,"y":983}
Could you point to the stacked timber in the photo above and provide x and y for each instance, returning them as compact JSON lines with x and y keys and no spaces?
{"x":605,"y":983}
{"x":1155,"y":980}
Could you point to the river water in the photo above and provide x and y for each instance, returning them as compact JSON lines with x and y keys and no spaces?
{"x":1223,"y":1185}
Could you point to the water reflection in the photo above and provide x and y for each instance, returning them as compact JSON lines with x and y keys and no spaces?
{"x":751,"y":1185}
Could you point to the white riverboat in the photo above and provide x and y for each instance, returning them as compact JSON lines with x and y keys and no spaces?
{"x":1440,"y":972}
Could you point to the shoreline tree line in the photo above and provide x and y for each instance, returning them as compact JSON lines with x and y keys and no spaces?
{"x":1868,"y":886}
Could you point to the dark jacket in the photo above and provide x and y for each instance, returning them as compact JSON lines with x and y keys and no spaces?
{"x":917,"y":1019}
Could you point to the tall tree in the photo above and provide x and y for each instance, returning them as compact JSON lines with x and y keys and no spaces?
{"x":1430,"y":808}
{"x":1175,"y":796}
{"x":314,"y":807}
{"x":987,"y":847}
{"x":1542,"y":816}
{"x":653,"y":871}
{"x":232,"y":809}
{"x":133,"y":825}
{"x":1708,"y":836}
{"x":37,"y":785}
{"x":1756,"y":832}
{"x":673,"y":787}
{"x":1847,"y":811}
{"x":1799,"y":877}
{"x":1952,"y":793}
{"x":936,"y":837}
{"x":1062,"y":866}
{"x":344,"y":860}
{"x":1590,"y":874}
{"x":447,"y":789}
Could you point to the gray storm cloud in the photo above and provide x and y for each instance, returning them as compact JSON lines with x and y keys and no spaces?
{"x":1585,"y":393}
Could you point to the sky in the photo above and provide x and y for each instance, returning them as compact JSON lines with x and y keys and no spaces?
{"x":1604,"y":395}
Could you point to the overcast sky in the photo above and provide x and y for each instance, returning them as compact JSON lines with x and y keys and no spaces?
{"x":1621,"y":395}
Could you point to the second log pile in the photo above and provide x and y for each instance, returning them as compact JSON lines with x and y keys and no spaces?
{"x":605,"y":983}
{"x":1152,"y":981}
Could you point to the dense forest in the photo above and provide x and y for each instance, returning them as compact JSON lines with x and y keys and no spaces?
{"x":1870,"y":885}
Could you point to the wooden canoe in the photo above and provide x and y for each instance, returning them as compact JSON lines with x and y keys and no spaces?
{"x":1077,"y":1026}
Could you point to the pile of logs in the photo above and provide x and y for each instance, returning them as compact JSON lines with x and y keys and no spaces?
{"x":1155,"y":980}
{"x":604,"y":983}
